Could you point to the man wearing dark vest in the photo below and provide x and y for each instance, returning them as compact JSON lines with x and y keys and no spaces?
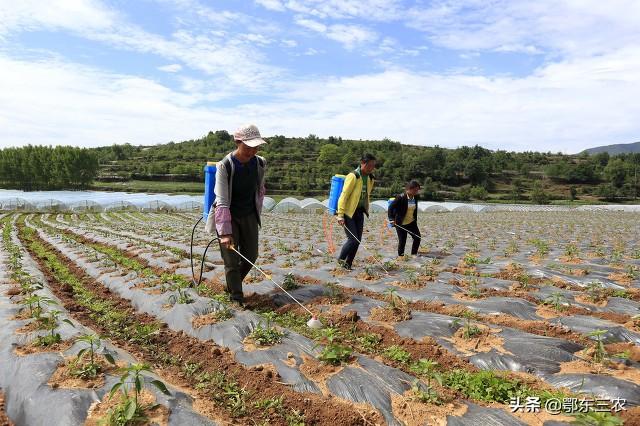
{"x":236,"y":212}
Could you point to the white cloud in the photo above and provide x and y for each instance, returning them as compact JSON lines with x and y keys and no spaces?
{"x":311,"y":25}
{"x":76,"y":15}
{"x":271,"y":5}
{"x":214,"y":53}
{"x":289,"y":43}
{"x":564,"y":106}
{"x":350,"y":36}
{"x":379,"y":10}
{"x":171,"y":68}
{"x":572,"y":27}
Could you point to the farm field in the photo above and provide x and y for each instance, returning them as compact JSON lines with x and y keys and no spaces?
{"x":504,"y":318}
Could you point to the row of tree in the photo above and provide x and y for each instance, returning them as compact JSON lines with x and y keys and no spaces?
{"x":304,"y":166}
{"x":46,"y":168}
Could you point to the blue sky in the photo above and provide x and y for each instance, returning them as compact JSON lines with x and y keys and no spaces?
{"x":548,"y":75}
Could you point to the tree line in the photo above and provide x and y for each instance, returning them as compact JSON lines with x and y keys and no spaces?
{"x":47,"y":168}
{"x":304,"y":166}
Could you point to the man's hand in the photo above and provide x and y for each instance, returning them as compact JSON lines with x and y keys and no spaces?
{"x":226,"y":241}
{"x":341,"y":221}
{"x":392,"y":222}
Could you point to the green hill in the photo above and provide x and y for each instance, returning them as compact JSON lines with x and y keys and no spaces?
{"x":621,"y":148}
{"x":304,"y":166}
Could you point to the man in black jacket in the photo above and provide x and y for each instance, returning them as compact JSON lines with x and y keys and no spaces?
{"x":403,"y":214}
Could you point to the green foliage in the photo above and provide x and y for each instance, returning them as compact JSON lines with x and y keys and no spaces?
{"x":129,"y":411}
{"x":468,"y":330}
{"x":289,"y":283}
{"x":45,"y":168}
{"x":484,"y":385}
{"x":556,"y":300}
{"x":370,"y":341}
{"x":335,"y":354}
{"x":538,"y":194}
{"x":91,"y":369}
{"x":266,"y":335}
{"x":594,"y":418}
{"x":599,"y":353}
{"x":396,"y":353}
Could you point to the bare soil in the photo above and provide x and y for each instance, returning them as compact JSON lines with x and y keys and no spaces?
{"x":4,"y":419}
{"x":316,"y":408}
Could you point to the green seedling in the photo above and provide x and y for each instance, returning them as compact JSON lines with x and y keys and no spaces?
{"x":470,"y":260}
{"x":90,"y":370}
{"x":36,"y":304}
{"x":411,"y":278}
{"x":557,"y":301}
{"x":129,"y":411}
{"x":474,"y":290}
{"x":182,"y":297}
{"x":595,"y":291}
{"x":50,"y":322}
{"x":334,"y":291}
{"x":571,"y":251}
{"x":370,"y":272}
{"x":600,"y":353}
{"x":289,"y":283}
{"x":390,"y":265}
{"x":392,"y":297}
{"x":469,"y":330}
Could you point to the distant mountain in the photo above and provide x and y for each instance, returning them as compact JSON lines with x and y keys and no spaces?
{"x":620,"y":148}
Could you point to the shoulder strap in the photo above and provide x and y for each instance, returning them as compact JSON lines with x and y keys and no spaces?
{"x":226,"y":162}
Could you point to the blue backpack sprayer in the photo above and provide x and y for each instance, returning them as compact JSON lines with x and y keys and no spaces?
{"x":209,"y":198}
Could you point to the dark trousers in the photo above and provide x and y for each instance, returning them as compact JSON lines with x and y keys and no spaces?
{"x":354,"y":224}
{"x":402,"y":237}
{"x":245,"y":238}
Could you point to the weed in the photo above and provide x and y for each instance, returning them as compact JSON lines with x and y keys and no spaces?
{"x":596,"y":418}
{"x":426,"y":367}
{"x":334,"y":353}
{"x":426,"y":396}
{"x":267,"y":335}
{"x":396,"y":353}
{"x":370,"y":341}
{"x":484,"y":385}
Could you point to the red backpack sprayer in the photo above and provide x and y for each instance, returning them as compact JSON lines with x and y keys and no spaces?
{"x":209,"y":199}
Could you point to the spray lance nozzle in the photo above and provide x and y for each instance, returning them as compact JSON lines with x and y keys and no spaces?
{"x":314,"y":322}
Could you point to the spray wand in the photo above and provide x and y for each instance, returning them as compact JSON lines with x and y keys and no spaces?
{"x":314,"y":322}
